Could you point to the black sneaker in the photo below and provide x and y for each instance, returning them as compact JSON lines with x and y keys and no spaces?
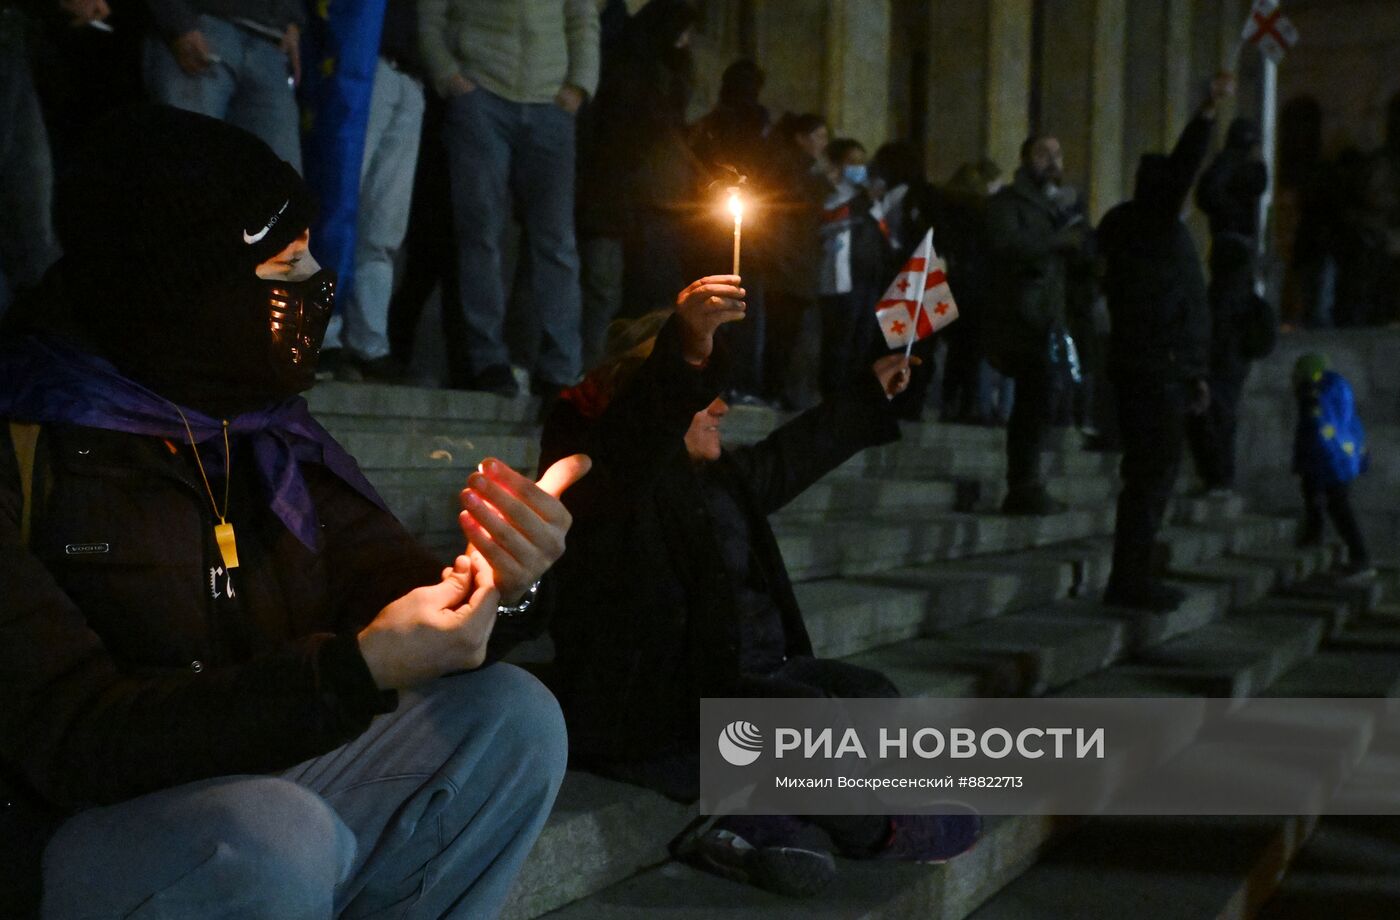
{"x":354,"y":369}
{"x":786,"y":867}
{"x":1032,"y":500}
{"x":1154,"y":596}
{"x":328,"y":363}
{"x":497,"y":379}
{"x":931,"y":838}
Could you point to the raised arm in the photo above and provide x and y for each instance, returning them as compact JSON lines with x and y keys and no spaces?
{"x":788,"y":461}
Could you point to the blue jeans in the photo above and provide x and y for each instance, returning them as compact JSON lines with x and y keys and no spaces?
{"x":386,"y":191}
{"x":27,"y":242}
{"x":250,"y":88}
{"x":498,"y":152}
{"x":429,"y":813}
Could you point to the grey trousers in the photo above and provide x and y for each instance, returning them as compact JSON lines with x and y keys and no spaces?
{"x":27,"y":242}
{"x":386,"y":191}
{"x":429,"y":813}
{"x":250,"y":86}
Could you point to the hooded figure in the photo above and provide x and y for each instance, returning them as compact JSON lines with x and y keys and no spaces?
{"x":160,"y":272}
{"x":1158,"y":356}
{"x":195,"y":582}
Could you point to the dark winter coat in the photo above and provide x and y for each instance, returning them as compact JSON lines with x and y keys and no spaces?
{"x":128,"y":666}
{"x":1030,"y":268}
{"x":1156,"y":290}
{"x":646,"y":621}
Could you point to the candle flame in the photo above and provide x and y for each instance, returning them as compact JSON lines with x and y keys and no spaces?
{"x":736,"y":205}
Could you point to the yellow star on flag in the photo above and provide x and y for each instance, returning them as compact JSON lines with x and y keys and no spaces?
{"x":1329,"y":431}
{"x":1348,"y":448}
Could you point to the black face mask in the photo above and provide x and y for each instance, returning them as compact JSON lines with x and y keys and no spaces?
{"x":298,"y":313}
{"x":235,"y":348}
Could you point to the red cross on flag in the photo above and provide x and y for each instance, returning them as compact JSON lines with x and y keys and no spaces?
{"x":904,"y":316}
{"x":1268,"y":28}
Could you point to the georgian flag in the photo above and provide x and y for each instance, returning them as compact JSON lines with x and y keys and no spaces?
{"x":1268,"y":28}
{"x":918,"y":302}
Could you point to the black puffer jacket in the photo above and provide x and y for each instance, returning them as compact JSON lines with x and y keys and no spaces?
{"x":646,"y":621}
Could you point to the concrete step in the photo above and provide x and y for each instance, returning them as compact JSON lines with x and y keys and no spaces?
{"x":1237,"y":657}
{"x":599,"y":833}
{"x":863,"y":889}
{"x":860,"y":546}
{"x":1346,"y":871}
{"x":386,"y":406}
{"x":1199,"y":868}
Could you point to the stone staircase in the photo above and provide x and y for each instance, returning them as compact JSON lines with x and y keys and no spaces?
{"x":901,"y":564}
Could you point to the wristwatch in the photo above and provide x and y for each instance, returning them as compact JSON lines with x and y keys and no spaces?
{"x":515,"y":610}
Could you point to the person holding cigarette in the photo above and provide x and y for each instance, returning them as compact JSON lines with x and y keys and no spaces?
{"x":236,"y":60}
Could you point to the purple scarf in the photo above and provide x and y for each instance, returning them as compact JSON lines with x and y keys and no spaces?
{"x":48,"y":381}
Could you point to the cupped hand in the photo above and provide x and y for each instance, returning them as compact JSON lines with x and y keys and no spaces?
{"x":516,"y":528}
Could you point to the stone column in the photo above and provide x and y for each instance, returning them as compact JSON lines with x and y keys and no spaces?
{"x":1008,"y":79}
{"x":790,"y":39}
{"x":1106,"y":180}
{"x":857,"y":69}
{"x":1081,"y":93}
{"x":979,"y":83}
{"x":1178,"y":95}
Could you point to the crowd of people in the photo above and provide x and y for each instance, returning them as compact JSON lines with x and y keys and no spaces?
{"x":237,"y":683}
{"x":1345,"y":253}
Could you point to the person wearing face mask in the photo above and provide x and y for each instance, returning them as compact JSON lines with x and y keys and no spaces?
{"x":855,"y":264}
{"x":1158,"y":351}
{"x":1035,"y":240}
{"x":239,"y":688}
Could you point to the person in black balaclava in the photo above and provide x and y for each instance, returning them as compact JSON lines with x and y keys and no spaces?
{"x":1158,"y":348}
{"x":208,"y":613}
{"x":1229,"y":193}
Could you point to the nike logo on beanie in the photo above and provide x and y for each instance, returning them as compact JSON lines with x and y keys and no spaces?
{"x":251,"y":238}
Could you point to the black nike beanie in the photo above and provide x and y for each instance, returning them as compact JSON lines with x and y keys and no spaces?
{"x":163,"y":205}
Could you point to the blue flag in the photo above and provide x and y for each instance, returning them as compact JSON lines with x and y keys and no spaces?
{"x":340,"y":51}
{"x":1330,"y":443}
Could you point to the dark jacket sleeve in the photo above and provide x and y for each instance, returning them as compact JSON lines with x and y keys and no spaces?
{"x":1185,"y":161}
{"x":82,"y":730}
{"x":646,"y":422}
{"x":782,"y":465}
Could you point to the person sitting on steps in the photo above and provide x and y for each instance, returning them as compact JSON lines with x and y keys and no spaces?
{"x":708,"y":609}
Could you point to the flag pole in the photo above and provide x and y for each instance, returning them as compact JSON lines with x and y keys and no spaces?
{"x":1268,"y":144}
{"x":923,"y":280}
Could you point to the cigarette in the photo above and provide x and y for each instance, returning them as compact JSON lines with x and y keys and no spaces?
{"x":100,"y":26}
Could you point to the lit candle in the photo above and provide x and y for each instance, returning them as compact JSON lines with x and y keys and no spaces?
{"x":736,"y":207}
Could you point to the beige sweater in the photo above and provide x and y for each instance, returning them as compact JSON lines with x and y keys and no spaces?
{"x":521,"y":50}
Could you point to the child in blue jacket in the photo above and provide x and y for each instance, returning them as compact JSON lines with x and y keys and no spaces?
{"x":1329,"y":451}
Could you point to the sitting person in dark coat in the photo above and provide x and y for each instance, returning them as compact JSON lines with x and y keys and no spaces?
{"x":235,"y":685}
{"x":705,"y":607}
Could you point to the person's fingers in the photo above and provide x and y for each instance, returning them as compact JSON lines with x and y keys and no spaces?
{"x":513,"y":510}
{"x":512,"y":526}
{"x":448,"y":593}
{"x":541,"y":501}
{"x":726,"y":291}
{"x":564,"y":473}
{"x":504,"y":567}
